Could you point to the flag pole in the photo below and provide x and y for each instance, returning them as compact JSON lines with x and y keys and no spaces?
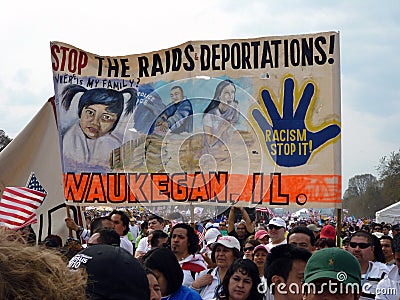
{"x":338,"y":226}
{"x":69,"y":216}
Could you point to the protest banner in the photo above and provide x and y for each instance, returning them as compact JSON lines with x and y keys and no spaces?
{"x":206,"y":123}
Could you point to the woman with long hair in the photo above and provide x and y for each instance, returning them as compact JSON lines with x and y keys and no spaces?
{"x":219,"y":116}
{"x":164,"y":264}
{"x":241,"y":282}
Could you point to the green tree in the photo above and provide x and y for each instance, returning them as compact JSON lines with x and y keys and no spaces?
{"x":4,"y":140}
{"x":389,"y":172}
{"x":362,"y":195}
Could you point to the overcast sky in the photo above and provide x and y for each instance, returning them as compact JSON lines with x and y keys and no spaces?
{"x":369,"y":40}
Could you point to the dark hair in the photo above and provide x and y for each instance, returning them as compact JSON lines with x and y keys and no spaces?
{"x":144,"y":225}
{"x":378,"y":253}
{"x":165,"y":261}
{"x":97,"y":223}
{"x":304,"y":230}
{"x":108,"y":236}
{"x":324,"y":243}
{"x":53,"y":241}
{"x":114,"y":100}
{"x":396,"y":243}
{"x":280,"y":261}
{"x":366,"y":228}
{"x":156,"y":236}
{"x":193,"y":238}
{"x":177,"y":87}
{"x":218,"y":90}
{"x":245,"y":267}
{"x":154,"y":216}
{"x":387,"y":237}
{"x":124,"y":219}
{"x":254,"y":242}
{"x":365,"y":234}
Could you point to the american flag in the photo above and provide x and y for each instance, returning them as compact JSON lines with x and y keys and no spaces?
{"x":200,"y":231}
{"x":18,"y":205}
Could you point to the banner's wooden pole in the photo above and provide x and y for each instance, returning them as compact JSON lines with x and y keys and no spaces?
{"x":69,"y":216}
{"x":338,"y":226}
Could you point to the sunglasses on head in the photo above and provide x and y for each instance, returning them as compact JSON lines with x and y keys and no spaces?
{"x":274,"y":227}
{"x":361,"y":245}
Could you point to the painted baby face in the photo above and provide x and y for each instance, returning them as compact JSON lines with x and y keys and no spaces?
{"x":96,"y":121}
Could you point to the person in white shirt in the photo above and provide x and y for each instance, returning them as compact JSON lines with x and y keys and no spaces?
{"x":361,"y":246}
{"x":224,"y":252}
{"x":121,"y":226}
{"x":185,"y":245}
{"x":134,"y":228}
{"x":389,"y":287}
{"x":154,"y":223}
{"x":276,"y":230}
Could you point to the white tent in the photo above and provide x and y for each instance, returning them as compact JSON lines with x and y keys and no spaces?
{"x":390,"y":214}
{"x":303,"y":213}
{"x":36,"y":149}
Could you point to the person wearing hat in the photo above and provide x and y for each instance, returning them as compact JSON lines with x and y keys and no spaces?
{"x":210,"y":238}
{"x":224,"y":252}
{"x":391,"y":282}
{"x":262,"y":236}
{"x":276,"y":230}
{"x":315,"y":229}
{"x":259,"y":258}
{"x":331,"y":273}
{"x":345,"y":243}
{"x":328,"y":232}
{"x":362,"y":247}
{"x":113,"y":273}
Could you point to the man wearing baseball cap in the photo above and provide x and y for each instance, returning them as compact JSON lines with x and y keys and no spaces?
{"x":331,"y":273}
{"x":113,"y":273}
{"x":276,"y":230}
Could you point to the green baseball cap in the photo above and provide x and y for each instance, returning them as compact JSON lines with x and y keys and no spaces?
{"x":333,"y":263}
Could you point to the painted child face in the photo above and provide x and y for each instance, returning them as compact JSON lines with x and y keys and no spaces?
{"x":96,"y":121}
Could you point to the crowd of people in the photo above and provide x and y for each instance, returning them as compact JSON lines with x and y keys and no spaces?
{"x":121,"y":255}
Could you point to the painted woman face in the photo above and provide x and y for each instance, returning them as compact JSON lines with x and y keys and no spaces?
{"x":239,"y":286}
{"x":96,"y":121}
{"x":227,"y":97}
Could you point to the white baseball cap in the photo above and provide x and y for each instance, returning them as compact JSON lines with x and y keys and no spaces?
{"x":228,"y":241}
{"x":277,"y":221}
{"x":211,"y":236}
